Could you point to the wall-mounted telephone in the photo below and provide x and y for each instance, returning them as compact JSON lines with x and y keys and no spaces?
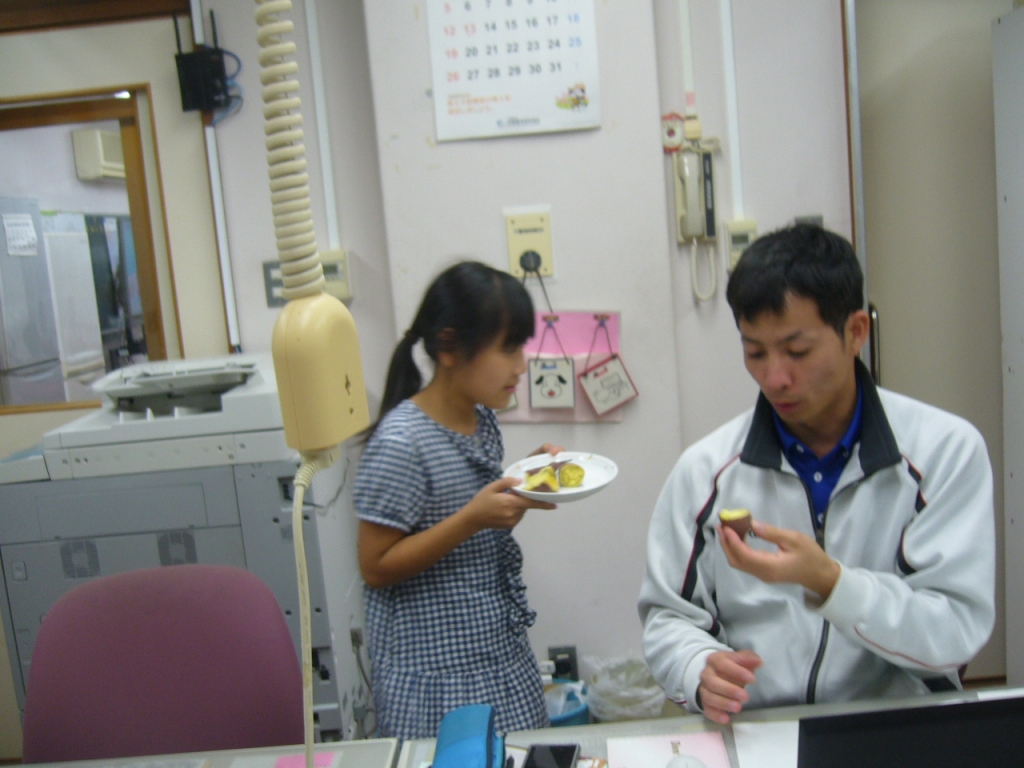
{"x":695,"y":194}
{"x":693,"y":180}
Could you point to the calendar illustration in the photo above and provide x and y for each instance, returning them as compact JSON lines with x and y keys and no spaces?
{"x":510,"y":67}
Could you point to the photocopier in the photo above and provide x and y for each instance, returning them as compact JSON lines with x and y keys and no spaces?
{"x":186,"y":462}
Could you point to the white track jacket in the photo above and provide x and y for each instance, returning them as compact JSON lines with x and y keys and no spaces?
{"x":910,"y":522}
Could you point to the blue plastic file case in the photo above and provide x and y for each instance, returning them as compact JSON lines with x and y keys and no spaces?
{"x":466,"y":739}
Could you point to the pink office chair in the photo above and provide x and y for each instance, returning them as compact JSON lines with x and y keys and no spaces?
{"x":183,"y":658}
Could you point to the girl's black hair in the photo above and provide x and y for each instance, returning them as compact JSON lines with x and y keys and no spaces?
{"x":466,"y":308}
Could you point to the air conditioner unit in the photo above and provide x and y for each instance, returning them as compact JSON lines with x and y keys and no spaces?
{"x":98,"y":154}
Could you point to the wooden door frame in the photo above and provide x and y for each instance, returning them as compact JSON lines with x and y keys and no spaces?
{"x":35,"y":15}
{"x":93,"y":106}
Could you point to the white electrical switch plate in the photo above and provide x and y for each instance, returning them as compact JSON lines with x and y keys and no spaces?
{"x":335,"y":264}
{"x":529,"y":229}
{"x":739,"y":234}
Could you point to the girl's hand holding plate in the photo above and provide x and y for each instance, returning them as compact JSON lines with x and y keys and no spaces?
{"x":551,"y":448}
{"x":492,"y":507}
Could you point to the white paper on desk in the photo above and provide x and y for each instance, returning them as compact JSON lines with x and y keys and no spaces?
{"x":657,"y":750}
{"x":766,"y":745}
{"x":518,"y":755}
{"x":998,"y":693}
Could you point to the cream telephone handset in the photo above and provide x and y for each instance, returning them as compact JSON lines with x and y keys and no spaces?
{"x":689,"y":216}
{"x":694,"y":194}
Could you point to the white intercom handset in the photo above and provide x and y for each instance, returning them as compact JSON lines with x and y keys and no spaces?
{"x":689,"y":210}
{"x":315,"y":346}
{"x":693,"y":179}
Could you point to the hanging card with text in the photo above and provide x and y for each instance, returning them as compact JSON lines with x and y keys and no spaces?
{"x":608,"y":385}
{"x":510,"y":67}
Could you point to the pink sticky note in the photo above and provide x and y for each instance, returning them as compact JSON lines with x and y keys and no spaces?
{"x":320,"y":760}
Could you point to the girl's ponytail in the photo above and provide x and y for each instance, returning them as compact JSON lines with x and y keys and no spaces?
{"x":404,"y":379}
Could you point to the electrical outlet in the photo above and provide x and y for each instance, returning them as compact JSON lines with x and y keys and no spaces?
{"x":564,"y":657}
{"x":529,"y":229}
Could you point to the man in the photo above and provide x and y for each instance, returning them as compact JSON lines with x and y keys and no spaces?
{"x":871,"y":569}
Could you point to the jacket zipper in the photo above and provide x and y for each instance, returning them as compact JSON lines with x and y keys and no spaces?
{"x":819,"y":535}
{"x":813,"y":682}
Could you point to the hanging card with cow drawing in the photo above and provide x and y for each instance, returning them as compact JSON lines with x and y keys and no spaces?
{"x":552,"y":379}
{"x":608,"y":384}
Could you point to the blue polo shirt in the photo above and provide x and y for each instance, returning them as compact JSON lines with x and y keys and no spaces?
{"x":820,"y":475}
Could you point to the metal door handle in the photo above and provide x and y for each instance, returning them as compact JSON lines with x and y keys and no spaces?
{"x":876,"y":348}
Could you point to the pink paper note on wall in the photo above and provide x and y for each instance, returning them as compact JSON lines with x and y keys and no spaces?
{"x":576,"y":332}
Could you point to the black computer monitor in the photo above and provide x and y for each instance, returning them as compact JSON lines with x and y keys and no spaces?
{"x":975,"y":733}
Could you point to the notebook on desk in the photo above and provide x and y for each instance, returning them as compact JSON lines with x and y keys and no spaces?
{"x":952,"y":734}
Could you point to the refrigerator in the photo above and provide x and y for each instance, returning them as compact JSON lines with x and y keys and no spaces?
{"x":79,"y":336}
{"x":30,"y":365}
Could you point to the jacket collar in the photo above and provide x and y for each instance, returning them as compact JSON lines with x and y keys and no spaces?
{"x":878,"y":448}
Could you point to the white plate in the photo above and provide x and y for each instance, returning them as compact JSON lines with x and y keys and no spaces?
{"x":598,"y":472}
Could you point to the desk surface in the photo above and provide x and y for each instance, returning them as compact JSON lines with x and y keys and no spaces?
{"x":380,"y":753}
{"x":370,"y":753}
{"x":592,"y":738}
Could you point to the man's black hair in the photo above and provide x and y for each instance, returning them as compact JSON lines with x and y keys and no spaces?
{"x":805,"y":260}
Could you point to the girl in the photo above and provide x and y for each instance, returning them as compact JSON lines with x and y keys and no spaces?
{"x":445,"y":601}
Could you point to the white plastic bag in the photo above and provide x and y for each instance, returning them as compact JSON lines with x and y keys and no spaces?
{"x":564,"y":697}
{"x":622,"y":688}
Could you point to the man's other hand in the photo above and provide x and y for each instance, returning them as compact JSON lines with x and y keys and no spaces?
{"x":798,"y":560}
{"x":723,"y":682}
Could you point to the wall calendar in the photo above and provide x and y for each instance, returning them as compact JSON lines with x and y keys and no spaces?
{"x":508,"y":67}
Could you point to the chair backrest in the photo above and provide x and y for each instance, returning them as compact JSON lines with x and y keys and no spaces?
{"x":183,"y":658}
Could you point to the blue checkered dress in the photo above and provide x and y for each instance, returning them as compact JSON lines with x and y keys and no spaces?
{"x":456,"y":633}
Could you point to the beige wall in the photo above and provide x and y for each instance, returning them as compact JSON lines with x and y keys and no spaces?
{"x":930,"y":204}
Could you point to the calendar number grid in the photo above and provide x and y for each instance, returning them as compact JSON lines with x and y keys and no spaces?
{"x":505,"y":67}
